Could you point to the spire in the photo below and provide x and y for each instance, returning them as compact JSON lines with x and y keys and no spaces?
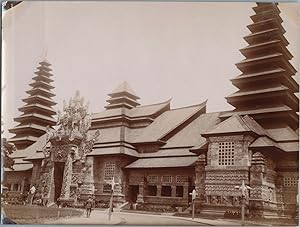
{"x":122,"y":96}
{"x":266,"y":87}
{"x":38,"y":111}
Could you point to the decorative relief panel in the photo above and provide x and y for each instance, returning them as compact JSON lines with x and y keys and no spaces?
{"x":226,"y":138}
{"x":227,"y":190}
{"x":228,"y":177}
{"x":59,"y":153}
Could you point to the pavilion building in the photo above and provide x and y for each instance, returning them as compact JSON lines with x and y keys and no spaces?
{"x":158,"y":155}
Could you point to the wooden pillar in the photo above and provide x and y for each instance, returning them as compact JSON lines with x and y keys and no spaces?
{"x":140,"y":197}
{"x":22,"y":185}
{"x":173,"y":191}
{"x":141,"y":189}
{"x":186,"y":190}
{"x":158,"y":192}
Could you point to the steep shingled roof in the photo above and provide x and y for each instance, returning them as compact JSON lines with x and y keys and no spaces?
{"x":191,"y":134}
{"x":163,"y":162}
{"x":238,"y":124}
{"x":166,"y":122}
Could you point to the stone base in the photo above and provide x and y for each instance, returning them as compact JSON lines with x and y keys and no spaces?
{"x":216,"y":210}
{"x":264,"y":209}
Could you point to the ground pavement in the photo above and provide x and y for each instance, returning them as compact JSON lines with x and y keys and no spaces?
{"x":123,"y":218}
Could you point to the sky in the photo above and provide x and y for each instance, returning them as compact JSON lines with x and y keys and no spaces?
{"x":186,"y":51}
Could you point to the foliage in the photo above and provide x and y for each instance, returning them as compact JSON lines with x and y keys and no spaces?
{"x":32,"y":213}
{"x":6,"y":151}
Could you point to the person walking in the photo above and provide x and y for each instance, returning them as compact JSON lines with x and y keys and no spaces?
{"x":32,"y":193}
{"x":89,"y":206}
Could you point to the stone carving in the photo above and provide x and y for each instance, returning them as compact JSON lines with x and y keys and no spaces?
{"x":226,"y":138}
{"x":65,"y":191}
{"x":214,"y":200}
{"x":227,"y":190}
{"x":212,"y":177}
{"x":59,"y":153}
{"x":226,"y":200}
{"x":70,"y":143}
{"x":236,"y":201}
{"x":75,"y":120}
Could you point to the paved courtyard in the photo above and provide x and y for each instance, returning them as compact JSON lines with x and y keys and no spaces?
{"x":122,"y":218}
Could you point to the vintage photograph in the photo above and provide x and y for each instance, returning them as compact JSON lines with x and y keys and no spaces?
{"x":150,"y":113}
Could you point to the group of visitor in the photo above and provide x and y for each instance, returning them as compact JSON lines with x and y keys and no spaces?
{"x":88,"y":205}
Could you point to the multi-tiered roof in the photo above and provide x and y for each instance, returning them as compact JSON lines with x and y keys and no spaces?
{"x":266,"y":86}
{"x":122,"y":96}
{"x":38,"y":111}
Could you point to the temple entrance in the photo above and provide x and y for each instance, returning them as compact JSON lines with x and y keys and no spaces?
{"x":132,"y":193}
{"x":58,"y":178}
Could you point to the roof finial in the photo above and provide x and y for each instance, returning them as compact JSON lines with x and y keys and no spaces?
{"x":44,"y":55}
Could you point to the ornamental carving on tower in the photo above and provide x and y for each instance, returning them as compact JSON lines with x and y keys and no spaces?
{"x":72,"y":123}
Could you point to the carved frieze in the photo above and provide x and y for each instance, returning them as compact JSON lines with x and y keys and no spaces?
{"x":225,"y":177}
{"x":59,"y":153}
{"x":221,"y":190}
{"x":226,"y":138}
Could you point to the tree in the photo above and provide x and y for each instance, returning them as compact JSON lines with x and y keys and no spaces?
{"x":6,"y":151}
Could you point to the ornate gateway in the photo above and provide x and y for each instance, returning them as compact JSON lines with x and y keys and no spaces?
{"x":70,"y":143}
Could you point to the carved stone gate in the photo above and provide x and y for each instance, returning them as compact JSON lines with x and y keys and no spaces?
{"x":66,"y":173}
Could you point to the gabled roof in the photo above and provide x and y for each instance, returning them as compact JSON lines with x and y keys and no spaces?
{"x":147,"y":110}
{"x":167,"y":122}
{"x":237,"y":124}
{"x":135,"y":112}
{"x":20,"y":167}
{"x":191,"y":135}
{"x":283,"y":133}
{"x":289,"y":146}
{"x":263,"y":142}
{"x":34,"y":149}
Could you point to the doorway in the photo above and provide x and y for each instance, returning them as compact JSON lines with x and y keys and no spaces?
{"x":133,"y":193}
{"x":59,"y":168}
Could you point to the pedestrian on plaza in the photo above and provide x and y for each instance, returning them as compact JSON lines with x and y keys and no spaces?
{"x":32,"y":193}
{"x":58,"y":202}
{"x":89,"y":206}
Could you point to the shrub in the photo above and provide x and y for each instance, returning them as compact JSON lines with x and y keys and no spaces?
{"x":16,"y":212}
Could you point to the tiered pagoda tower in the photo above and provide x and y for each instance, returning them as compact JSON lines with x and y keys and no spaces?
{"x":122,"y":96}
{"x":38,"y":111}
{"x":266,"y":86}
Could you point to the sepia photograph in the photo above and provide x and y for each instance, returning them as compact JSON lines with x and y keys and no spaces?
{"x":160,"y":113}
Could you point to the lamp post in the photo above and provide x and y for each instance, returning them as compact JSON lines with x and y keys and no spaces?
{"x":194,"y":194}
{"x":112,"y":183}
{"x":244,"y":190}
